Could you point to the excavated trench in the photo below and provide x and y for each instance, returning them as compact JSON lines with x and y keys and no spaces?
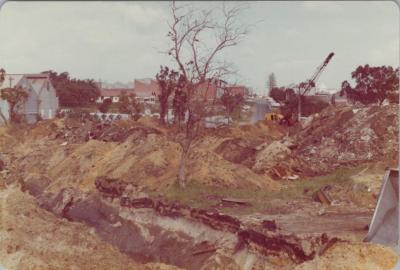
{"x":151,"y":230}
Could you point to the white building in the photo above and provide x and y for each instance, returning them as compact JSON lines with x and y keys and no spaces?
{"x":42,"y":98}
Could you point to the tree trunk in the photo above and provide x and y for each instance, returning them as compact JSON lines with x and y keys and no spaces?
{"x":182,"y":165}
{"x":162,"y":114}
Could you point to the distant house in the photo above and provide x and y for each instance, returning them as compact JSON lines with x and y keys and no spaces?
{"x":113,"y":94}
{"x":272,"y":103}
{"x":146,"y":90}
{"x":210,"y":90}
{"x":238,"y":90}
{"x":323,"y":96}
{"x":42,"y":97}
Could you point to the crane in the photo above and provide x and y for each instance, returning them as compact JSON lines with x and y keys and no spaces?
{"x":304,"y":87}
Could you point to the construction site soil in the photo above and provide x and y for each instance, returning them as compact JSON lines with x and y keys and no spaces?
{"x":83,"y":194}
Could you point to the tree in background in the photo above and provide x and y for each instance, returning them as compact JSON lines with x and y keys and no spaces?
{"x":73,"y":92}
{"x":198,"y":61}
{"x":129,"y":104}
{"x":271,"y":82}
{"x":231,"y":103}
{"x":373,"y":85}
{"x":167,"y":80}
{"x":16,"y":97}
{"x":289,"y":106}
{"x":278,"y":94}
{"x":105,"y":106}
{"x":179,"y":106}
{"x":310,"y":105}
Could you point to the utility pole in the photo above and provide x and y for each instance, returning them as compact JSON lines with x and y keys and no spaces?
{"x":299,"y":105}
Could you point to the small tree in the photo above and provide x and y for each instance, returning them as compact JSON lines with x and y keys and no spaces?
{"x":198,"y":62}
{"x":16,"y":97}
{"x":231,"y":103}
{"x":373,"y":84}
{"x":105,"y":106}
{"x":167,"y":80}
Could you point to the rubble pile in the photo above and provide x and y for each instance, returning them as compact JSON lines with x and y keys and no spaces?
{"x":84,"y":130}
{"x":345,"y":136}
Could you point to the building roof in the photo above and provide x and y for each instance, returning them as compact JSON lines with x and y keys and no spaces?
{"x":146,"y":87}
{"x":115,"y":92}
{"x":238,"y":89}
{"x":145,"y":80}
{"x":11,"y":80}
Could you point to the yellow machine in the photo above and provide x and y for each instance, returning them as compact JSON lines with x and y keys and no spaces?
{"x":273,"y":116}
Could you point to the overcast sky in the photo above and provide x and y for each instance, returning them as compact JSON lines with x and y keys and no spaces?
{"x":121,"y":41}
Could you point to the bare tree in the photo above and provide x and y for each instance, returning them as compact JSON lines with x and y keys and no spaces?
{"x":197,"y":58}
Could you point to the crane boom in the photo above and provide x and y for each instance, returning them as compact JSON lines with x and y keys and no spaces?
{"x":306,"y":86}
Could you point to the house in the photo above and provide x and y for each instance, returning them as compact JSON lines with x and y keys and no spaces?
{"x":113,"y":94}
{"x":238,"y":90}
{"x":146,"y":90}
{"x":42,"y":101}
{"x":210,"y":90}
{"x":272,"y":103}
{"x":323,"y":96}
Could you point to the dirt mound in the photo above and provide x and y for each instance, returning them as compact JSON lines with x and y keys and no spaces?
{"x":346,"y":256}
{"x":72,"y":154}
{"x":237,"y":150}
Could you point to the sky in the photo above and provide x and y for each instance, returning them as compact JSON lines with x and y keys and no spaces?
{"x":121,"y":41}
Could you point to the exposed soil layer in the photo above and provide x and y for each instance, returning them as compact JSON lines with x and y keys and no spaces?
{"x":175,"y":247}
{"x":32,"y":238}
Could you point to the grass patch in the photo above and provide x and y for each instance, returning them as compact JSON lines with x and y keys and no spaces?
{"x":201,"y":196}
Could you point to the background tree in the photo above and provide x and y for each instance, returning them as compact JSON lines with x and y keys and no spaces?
{"x":105,"y":105}
{"x":231,"y":103}
{"x":16,"y":97}
{"x":289,"y":107}
{"x":310,"y":105}
{"x":128,"y":104}
{"x":271,"y":82}
{"x":278,"y":94}
{"x":179,"y":106}
{"x":373,"y":84}
{"x":73,"y":92}
{"x":198,"y":61}
{"x":167,"y":80}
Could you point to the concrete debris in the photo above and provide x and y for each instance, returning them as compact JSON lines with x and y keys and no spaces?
{"x":341,"y":136}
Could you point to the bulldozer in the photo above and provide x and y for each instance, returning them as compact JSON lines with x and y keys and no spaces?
{"x":273,"y":116}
